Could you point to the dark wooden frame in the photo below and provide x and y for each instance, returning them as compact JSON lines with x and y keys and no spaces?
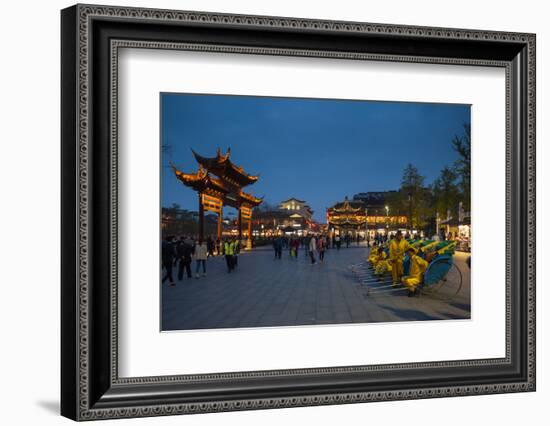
{"x":90,"y":386}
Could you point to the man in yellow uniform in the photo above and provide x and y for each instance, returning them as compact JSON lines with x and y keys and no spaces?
{"x":374,"y":255}
{"x":398,"y":247}
{"x":416,"y":272}
{"x":229,"y":249}
{"x":382,"y":265}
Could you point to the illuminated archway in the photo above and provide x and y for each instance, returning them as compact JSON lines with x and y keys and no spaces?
{"x":219,"y":183}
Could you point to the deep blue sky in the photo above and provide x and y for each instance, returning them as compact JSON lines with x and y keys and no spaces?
{"x":312,"y":149}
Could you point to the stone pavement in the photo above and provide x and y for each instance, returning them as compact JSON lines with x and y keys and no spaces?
{"x":264,"y":292}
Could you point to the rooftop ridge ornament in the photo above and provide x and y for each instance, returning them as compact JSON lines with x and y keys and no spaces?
{"x":224,"y":168}
{"x":224,"y":157}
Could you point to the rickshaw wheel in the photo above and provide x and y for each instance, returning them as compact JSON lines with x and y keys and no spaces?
{"x":448,"y":287}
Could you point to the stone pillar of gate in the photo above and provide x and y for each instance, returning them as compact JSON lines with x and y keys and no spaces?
{"x":201,"y":218}
{"x":240,"y":224}
{"x":249,"y":240}
{"x":220,"y":218}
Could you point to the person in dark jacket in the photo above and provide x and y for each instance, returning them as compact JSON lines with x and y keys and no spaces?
{"x":210,"y":246}
{"x":184,"y":251}
{"x":236,"y":252}
{"x":278,"y":247}
{"x":168,"y":255}
{"x":296,"y":246}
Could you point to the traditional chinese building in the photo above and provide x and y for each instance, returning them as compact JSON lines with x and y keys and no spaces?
{"x":366,"y":213}
{"x":297,"y":207}
{"x":219,"y":182}
{"x":291,"y":216}
{"x":347,"y":216}
{"x":379,"y":215}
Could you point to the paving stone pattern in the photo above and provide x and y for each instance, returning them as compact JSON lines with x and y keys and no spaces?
{"x":265,"y":292}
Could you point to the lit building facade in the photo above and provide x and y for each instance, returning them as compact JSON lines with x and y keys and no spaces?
{"x":366,"y":213}
{"x":297,"y":208}
{"x":380,"y":216}
{"x":293,"y":216}
{"x":347,"y":217}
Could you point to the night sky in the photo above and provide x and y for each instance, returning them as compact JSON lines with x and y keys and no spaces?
{"x":311,"y":149}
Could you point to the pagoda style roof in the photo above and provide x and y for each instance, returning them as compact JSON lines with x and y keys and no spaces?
{"x":293,"y":199}
{"x":222,"y":167}
{"x":348,"y":207}
{"x":349,"y":213}
{"x":201,"y":181}
{"x":251,"y":199}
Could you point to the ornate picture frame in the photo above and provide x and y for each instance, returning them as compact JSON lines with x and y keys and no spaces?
{"x":91,"y":386}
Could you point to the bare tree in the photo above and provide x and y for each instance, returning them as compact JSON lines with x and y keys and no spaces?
{"x":462,"y":166}
{"x":445,"y":191}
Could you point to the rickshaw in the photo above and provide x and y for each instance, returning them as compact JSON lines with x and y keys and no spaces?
{"x":442,"y":277}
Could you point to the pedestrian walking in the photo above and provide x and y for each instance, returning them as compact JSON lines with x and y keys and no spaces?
{"x":201,"y":253}
{"x":184,"y":251}
{"x":321,"y":246}
{"x":210,"y":246}
{"x":295,"y":247}
{"x":228,"y":249}
{"x":236,"y":252}
{"x":312,"y":249}
{"x":278,"y":247}
{"x":168,"y":255}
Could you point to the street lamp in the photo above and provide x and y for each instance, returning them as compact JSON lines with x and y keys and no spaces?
{"x":387,"y":218}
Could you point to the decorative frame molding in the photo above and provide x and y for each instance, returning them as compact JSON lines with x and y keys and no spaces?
{"x":91,"y":388}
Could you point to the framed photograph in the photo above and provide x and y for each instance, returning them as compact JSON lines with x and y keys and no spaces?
{"x":263,"y":212}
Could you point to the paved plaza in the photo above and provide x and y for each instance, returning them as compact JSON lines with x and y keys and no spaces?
{"x":264,"y":292}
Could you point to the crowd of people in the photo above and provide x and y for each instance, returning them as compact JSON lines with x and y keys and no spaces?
{"x":180,"y":252}
{"x":313,"y":246}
